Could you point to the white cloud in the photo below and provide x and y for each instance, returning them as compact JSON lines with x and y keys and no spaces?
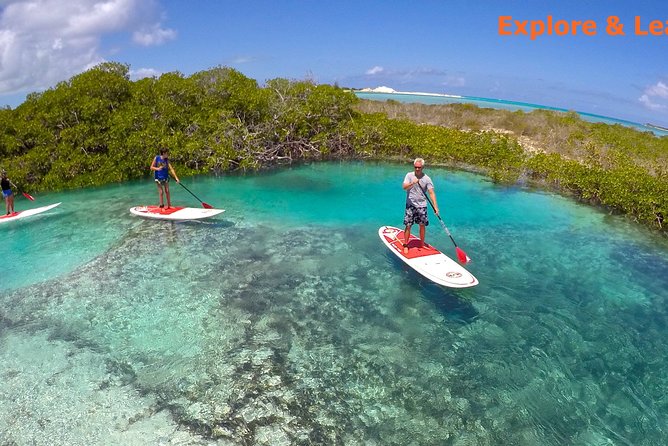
{"x":454,"y":81}
{"x":154,"y":35}
{"x":243,"y":59}
{"x":143,"y":73}
{"x":655,"y":97}
{"x":374,"y":70}
{"x":649,"y":103}
{"x":43,"y":42}
{"x":660,"y":90}
{"x":408,"y":75}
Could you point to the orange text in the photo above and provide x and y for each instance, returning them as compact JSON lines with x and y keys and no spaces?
{"x":655,"y":28}
{"x":535,"y":28}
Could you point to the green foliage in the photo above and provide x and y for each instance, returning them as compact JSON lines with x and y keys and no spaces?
{"x":622,"y":186}
{"x":100,"y":127}
{"x":499,"y":155}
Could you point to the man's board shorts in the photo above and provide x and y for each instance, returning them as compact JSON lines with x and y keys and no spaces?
{"x":162,"y":180}
{"x":415,"y":215}
{"x":7,"y":193}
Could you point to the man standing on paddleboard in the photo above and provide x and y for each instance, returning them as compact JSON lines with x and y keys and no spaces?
{"x":162,"y":168}
{"x":415,"y":185}
{"x":7,"y":192}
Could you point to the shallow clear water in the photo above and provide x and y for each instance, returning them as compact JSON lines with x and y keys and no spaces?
{"x":286,"y":321}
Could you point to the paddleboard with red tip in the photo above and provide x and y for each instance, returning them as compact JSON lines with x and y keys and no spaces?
{"x":427,"y":260}
{"x":174,"y":213}
{"x":26,"y":213}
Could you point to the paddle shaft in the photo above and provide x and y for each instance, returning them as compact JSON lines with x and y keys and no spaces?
{"x":205,"y":205}
{"x":435,"y":213}
{"x":461,"y":255}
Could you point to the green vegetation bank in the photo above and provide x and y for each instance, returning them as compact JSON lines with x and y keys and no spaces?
{"x":100,"y":127}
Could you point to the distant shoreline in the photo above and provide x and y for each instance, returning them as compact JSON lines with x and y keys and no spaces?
{"x":591,"y":117}
{"x":386,"y":90}
{"x":658,"y":127}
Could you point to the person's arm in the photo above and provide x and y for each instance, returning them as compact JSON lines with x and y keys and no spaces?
{"x":153,"y":164}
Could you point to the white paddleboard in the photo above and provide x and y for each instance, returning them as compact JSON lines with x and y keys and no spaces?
{"x":175,"y":213}
{"x":26,"y":213}
{"x":427,"y":261}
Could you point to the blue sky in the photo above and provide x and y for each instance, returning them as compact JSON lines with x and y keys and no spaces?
{"x":441,"y":46}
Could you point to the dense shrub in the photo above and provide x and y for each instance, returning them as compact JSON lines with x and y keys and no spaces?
{"x":100,"y":127}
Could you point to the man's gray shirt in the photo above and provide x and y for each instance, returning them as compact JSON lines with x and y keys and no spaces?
{"x":413,"y":196}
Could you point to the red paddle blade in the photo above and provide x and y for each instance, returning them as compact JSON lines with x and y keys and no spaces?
{"x":461,"y":255}
{"x":28,"y":196}
{"x":206,"y":205}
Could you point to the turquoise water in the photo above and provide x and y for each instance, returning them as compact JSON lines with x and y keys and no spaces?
{"x":286,"y":321}
{"x":501,"y":104}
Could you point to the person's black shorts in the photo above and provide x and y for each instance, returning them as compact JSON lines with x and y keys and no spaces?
{"x":416,"y":215}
